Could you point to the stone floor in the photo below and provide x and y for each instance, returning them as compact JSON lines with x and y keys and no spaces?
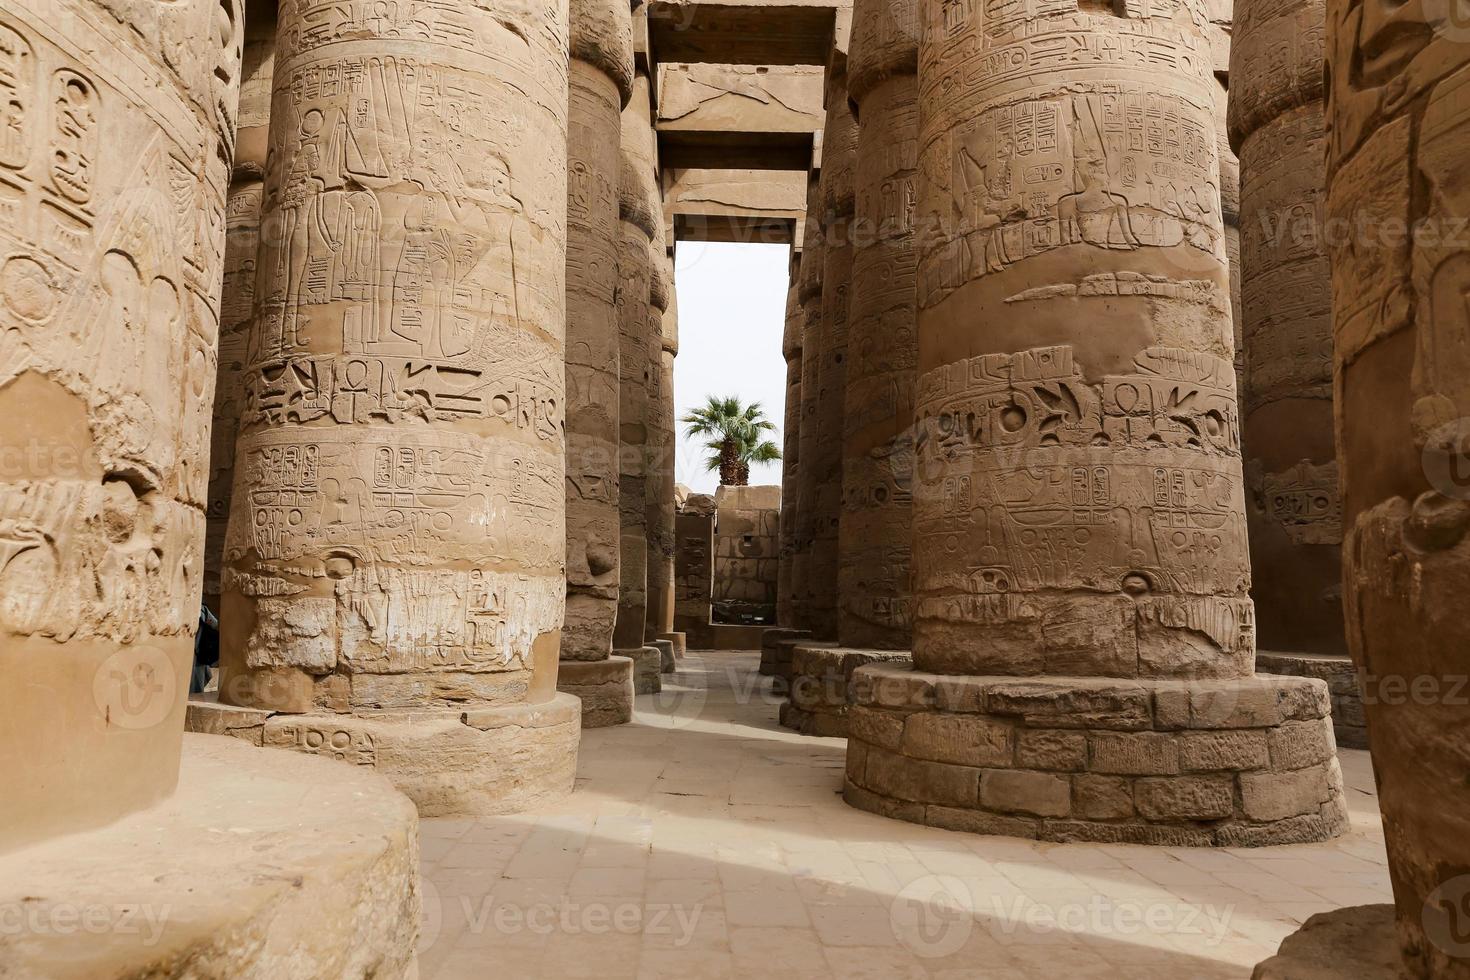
{"x":705,"y":841}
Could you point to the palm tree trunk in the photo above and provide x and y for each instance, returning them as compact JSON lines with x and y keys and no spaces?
{"x":742,"y":478}
{"x":730,"y":464}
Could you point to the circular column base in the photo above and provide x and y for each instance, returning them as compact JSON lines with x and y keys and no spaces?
{"x":819,"y":696}
{"x":261,"y":865}
{"x":775,"y":658}
{"x":1349,"y":722}
{"x":605,"y":688}
{"x":1359,"y":941}
{"x":666,"y":659}
{"x":1231,"y":763}
{"x":648,"y":665}
{"x":680,"y":642}
{"x":472,"y":762}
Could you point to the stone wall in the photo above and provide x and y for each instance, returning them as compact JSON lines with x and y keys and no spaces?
{"x":746,"y":555}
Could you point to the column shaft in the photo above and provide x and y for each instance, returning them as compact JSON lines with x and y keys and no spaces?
{"x":114,"y":162}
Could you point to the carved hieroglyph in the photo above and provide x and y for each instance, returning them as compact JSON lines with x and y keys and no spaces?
{"x":1398,"y":107}
{"x":809,"y":294}
{"x":237,"y":301}
{"x":638,"y":225}
{"x":114,"y":159}
{"x":876,"y":532}
{"x":601,"y":76}
{"x":1078,"y":505}
{"x":839,"y":162}
{"x":663,"y":348}
{"x":1293,"y":508}
{"x":397,"y":536}
{"x":790,"y":455}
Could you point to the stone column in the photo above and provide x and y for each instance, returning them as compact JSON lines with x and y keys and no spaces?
{"x":874,"y":608}
{"x":809,"y":295}
{"x":1293,"y":508}
{"x":601,"y":82}
{"x":660,"y":447}
{"x":1230,"y":215}
{"x":395,"y":561}
{"x":242,"y":234}
{"x":791,"y":340}
{"x":639,"y":223}
{"x":661,"y":579}
{"x":1398,"y":102}
{"x":836,"y":200}
{"x":114,"y":165}
{"x":1080,"y":558}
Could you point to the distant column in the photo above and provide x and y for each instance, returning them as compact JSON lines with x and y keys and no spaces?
{"x":809,"y":294}
{"x":791,"y":339}
{"x":1293,"y":506}
{"x":876,"y":534}
{"x":839,"y":160}
{"x":660,"y":445}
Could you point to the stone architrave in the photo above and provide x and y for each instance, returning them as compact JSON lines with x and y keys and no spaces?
{"x":809,"y":295}
{"x":394,"y":584}
{"x":114,"y":163}
{"x":1397,"y":139}
{"x":1293,"y":507}
{"x":876,"y":531}
{"x":836,"y":200}
{"x":237,"y":301}
{"x":1083,"y":633}
{"x":601,"y":82}
{"x":790,"y":456}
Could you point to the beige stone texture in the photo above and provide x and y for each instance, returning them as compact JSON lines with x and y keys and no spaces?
{"x":1079,"y":457}
{"x":662,"y":441}
{"x":809,"y":295}
{"x":836,"y":200}
{"x":694,"y":564}
{"x":791,"y":341}
{"x":600,"y":79}
{"x":1293,"y":505}
{"x":876,"y":529}
{"x":264,"y":865}
{"x":237,"y":298}
{"x":605,"y":688}
{"x":640,"y":223}
{"x":1398,"y":95}
{"x":1241,"y":762}
{"x":1358,"y":941}
{"x":746,"y":555}
{"x":816,"y":679}
{"x":399,"y":541}
{"x":647,"y":669}
{"x":760,"y":206}
{"x":740,"y":98}
{"x":114,"y":165}
{"x":776,"y":653}
{"x":466,"y":762}
{"x":1349,"y":722}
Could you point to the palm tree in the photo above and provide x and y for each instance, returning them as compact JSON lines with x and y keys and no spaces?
{"x":735,"y":437}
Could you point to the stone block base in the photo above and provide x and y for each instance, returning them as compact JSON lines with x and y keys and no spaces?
{"x":450,"y":762}
{"x":680,"y":642}
{"x":819,"y":696}
{"x":1348,"y":721}
{"x":262,"y":865}
{"x":1237,"y":763}
{"x":666,"y":655}
{"x":647,"y":667}
{"x":1358,"y":942}
{"x":604,"y":686}
{"x":776,"y":659}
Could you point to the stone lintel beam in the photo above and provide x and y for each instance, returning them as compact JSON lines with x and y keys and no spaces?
{"x":734,"y":150}
{"x":741,"y":33}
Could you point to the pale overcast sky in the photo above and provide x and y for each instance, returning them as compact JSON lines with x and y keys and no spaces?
{"x":732,"y":310}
